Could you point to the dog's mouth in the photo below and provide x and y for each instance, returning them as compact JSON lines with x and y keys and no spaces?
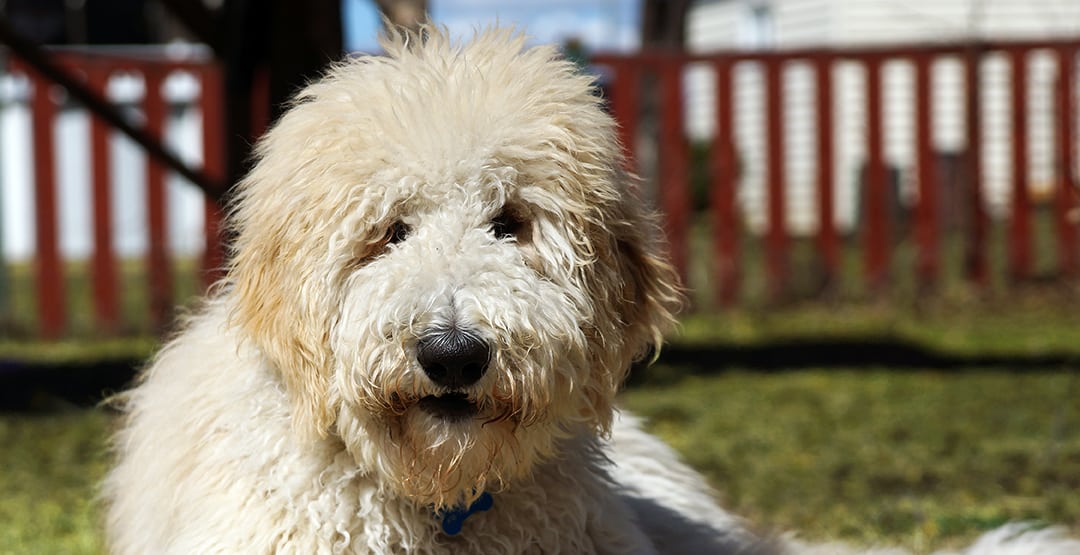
{"x":450,"y":406}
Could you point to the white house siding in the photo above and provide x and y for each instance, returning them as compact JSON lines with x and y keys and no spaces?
{"x":863,"y":22}
{"x":800,"y":145}
{"x":849,"y":106}
{"x":721,"y":24}
{"x":726,"y":25}
{"x":887,"y":22}
{"x":749,"y":131}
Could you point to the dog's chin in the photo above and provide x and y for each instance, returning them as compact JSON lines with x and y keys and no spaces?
{"x":443,"y":448}
{"x":448,"y":448}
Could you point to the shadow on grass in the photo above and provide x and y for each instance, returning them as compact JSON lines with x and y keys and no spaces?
{"x":43,"y":387}
{"x":680,"y":360}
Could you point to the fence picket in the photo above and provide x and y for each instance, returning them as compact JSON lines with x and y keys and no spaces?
{"x":1020,"y":259}
{"x":159,"y":266}
{"x":726,"y":224}
{"x":1066,"y":192}
{"x":828,"y":239}
{"x":674,"y":187}
{"x":875,"y":217}
{"x":926,"y":209}
{"x":776,"y":243}
{"x":976,"y":264}
{"x":211,"y":104}
{"x":48,"y":267}
{"x":103,"y":274}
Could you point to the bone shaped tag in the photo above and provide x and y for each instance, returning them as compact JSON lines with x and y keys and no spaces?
{"x":454,"y":519}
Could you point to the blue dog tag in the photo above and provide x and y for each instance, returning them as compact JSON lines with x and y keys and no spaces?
{"x":454,"y":519}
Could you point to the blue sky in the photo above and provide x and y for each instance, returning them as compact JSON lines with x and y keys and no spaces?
{"x":599,"y":24}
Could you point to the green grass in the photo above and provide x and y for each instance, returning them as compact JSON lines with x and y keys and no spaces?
{"x":78,"y":351}
{"x":1028,"y":324}
{"x":921,"y":459}
{"x":50,"y":465}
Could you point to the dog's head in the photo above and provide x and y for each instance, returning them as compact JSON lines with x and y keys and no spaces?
{"x":439,"y":252}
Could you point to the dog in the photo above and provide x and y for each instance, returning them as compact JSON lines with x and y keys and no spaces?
{"x":441,"y":274}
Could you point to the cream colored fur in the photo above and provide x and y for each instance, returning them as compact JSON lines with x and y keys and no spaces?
{"x":473,"y":185}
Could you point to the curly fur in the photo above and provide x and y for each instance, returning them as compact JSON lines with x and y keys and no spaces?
{"x":475,"y":186}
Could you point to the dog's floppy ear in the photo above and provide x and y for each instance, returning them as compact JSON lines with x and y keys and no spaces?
{"x":278,"y":302}
{"x":651,"y":292}
{"x":642,"y":305}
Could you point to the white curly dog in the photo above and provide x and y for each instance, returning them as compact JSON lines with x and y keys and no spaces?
{"x":439,"y":282}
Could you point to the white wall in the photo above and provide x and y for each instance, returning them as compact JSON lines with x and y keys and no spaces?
{"x":888,"y":21}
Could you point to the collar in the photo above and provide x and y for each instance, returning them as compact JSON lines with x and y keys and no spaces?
{"x":454,"y":518}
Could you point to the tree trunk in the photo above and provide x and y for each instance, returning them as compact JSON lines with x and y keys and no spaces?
{"x":404,"y":13}
{"x":663,"y":24}
{"x":663,"y":28}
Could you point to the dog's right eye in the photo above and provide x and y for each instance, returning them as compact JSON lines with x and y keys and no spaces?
{"x":506,"y":225}
{"x":397,"y":233}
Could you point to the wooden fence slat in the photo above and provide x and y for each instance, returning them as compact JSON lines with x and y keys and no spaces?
{"x":725,"y":180}
{"x":1065,"y":197}
{"x":211,"y":103}
{"x":158,"y":266}
{"x":927,"y":234}
{"x":875,"y":204}
{"x":49,"y":268}
{"x":828,"y":238}
{"x":776,"y":239}
{"x":1020,"y":214}
{"x":104,"y":274}
{"x":674,"y":187}
{"x":260,"y":103}
{"x":624,"y":107}
{"x":976,"y":263}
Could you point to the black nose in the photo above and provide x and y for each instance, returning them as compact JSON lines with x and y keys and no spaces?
{"x":452,"y":358}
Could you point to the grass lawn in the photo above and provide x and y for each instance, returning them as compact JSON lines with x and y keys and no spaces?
{"x":50,"y":464}
{"x":919,"y":459}
{"x":1036,"y":322}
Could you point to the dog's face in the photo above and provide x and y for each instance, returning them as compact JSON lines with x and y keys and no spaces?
{"x":438,"y":253}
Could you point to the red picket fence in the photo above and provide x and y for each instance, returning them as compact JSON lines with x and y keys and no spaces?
{"x":632,"y":78}
{"x":95,"y":68}
{"x":636,"y":82}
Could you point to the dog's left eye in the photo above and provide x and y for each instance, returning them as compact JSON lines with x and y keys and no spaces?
{"x":397,"y":233}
